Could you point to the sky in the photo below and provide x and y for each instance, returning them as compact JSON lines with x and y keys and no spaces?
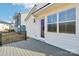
{"x":8,"y":10}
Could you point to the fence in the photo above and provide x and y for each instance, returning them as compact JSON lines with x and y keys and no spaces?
{"x":11,"y":37}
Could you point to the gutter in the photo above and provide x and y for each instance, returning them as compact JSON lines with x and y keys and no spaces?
{"x":41,"y":8}
{"x":30,"y":13}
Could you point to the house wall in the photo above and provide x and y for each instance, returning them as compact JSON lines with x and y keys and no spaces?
{"x":65,"y":41}
{"x":31,"y":27}
{"x":4,"y":27}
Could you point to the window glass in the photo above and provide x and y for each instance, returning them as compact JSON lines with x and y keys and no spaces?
{"x":49,"y":19}
{"x":68,"y":27}
{"x":52,"y":23}
{"x":62,"y":16}
{"x":62,"y":27}
{"x":52,"y":27}
{"x":67,"y":15}
{"x":71,"y":14}
{"x":52,"y":18}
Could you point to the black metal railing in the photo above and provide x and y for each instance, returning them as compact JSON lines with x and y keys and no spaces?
{"x":0,"y":39}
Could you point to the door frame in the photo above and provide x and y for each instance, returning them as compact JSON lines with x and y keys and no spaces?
{"x":43,"y":18}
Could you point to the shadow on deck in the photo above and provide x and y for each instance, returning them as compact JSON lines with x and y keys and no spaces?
{"x":38,"y":46}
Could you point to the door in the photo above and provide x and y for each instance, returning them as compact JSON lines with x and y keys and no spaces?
{"x":42,"y":28}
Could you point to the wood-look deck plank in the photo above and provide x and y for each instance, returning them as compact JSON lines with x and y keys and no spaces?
{"x":14,"y":51}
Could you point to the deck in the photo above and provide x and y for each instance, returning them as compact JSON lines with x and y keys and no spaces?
{"x":32,"y":47}
{"x":13,"y":51}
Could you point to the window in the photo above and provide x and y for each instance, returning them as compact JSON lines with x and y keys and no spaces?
{"x":49,"y":19}
{"x":62,"y":27}
{"x":62,"y":16}
{"x":69,"y":26}
{"x":52,"y":27}
{"x":67,"y":15}
{"x":66,"y":21}
{"x":52,"y":23}
{"x":71,"y":14}
{"x":52,"y":18}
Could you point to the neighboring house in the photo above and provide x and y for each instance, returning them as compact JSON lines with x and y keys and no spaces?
{"x":23,"y":23}
{"x":11,"y":26}
{"x":19,"y":22}
{"x":56,"y":24}
{"x":4,"y":26}
{"x":23,"y":16}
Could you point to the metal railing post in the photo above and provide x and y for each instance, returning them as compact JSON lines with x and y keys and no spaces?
{"x":0,"y":39}
{"x":25,"y":35}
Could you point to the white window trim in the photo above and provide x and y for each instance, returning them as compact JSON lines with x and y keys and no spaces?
{"x":58,"y":22}
{"x":66,"y":21}
{"x":51,"y":23}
